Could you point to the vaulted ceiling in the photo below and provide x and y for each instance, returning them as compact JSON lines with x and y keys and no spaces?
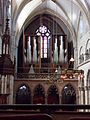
{"x":67,"y":11}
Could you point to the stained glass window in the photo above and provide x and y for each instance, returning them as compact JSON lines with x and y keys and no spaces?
{"x":44,"y":34}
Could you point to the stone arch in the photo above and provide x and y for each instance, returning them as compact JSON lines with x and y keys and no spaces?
{"x":87,"y":50}
{"x":39,"y":94}
{"x":53,"y":95}
{"x":68,"y":94}
{"x":80,"y":51}
{"x":83,"y":9}
{"x":87,"y":44}
{"x":23,"y":94}
{"x":49,"y":11}
{"x":88,"y":77}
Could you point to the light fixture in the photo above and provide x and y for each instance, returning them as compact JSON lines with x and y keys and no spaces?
{"x":72,"y":59}
{"x":71,"y":62}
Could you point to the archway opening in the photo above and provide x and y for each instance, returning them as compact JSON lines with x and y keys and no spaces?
{"x":68,"y":95}
{"x":53,"y":95}
{"x":23,"y":95}
{"x":39,"y":95}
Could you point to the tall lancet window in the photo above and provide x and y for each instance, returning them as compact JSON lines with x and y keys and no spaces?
{"x":44,"y":34}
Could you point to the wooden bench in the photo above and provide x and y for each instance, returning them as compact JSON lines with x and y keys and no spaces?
{"x":80,"y":118}
{"x":25,"y":117}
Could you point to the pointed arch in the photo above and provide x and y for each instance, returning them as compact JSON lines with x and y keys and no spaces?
{"x":68,"y":94}
{"x":87,"y":50}
{"x":88,"y":77}
{"x":53,"y":95}
{"x":23,"y":94}
{"x":39,"y":95}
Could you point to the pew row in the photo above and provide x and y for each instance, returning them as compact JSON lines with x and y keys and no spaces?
{"x":25,"y":117}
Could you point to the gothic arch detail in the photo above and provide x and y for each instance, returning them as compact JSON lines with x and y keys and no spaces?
{"x":87,"y":50}
{"x":39,"y":95}
{"x":23,"y":95}
{"x":53,"y":95}
{"x":68,"y":94}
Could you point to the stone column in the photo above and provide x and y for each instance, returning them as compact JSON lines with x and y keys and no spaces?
{"x":86,"y":94}
{"x":2,"y":84}
{"x":50,"y":48}
{"x":46,"y":95}
{"x":13,"y":45}
{"x":31,"y":98}
{"x":81,"y":90}
{"x":5,"y":89}
{"x":14,"y":48}
{"x":89,"y":96}
{"x":11,"y":85}
{"x":60,"y":99}
{"x":75,"y":57}
{"x":79,"y":95}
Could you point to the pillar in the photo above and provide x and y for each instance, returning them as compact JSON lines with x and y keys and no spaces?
{"x":2,"y":84}
{"x":75,"y":57}
{"x":11,"y":85}
{"x":31,"y":98}
{"x":5,"y":89}
{"x":60,"y":99}
{"x":46,"y":95}
{"x":61,"y":52}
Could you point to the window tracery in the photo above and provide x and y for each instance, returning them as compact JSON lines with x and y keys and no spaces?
{"x":44,"y":34}
{"x":68,"y":94}
{"x":39,"y":95}
{"x":87,"y":54}
{"x":53,"y":95}
{"x":23,"y":95}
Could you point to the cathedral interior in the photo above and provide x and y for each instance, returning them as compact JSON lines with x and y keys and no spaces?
{"x":45,"y":52}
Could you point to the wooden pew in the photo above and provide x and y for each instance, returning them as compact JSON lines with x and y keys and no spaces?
{"x":26,"y":117}
{"x":80,"y":118}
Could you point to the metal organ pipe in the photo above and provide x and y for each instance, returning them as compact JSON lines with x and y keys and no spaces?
{"x":55,"y":56}
{"x":34,"y":51}
{"x":29,"y":50}
{"x":61,"y":53}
